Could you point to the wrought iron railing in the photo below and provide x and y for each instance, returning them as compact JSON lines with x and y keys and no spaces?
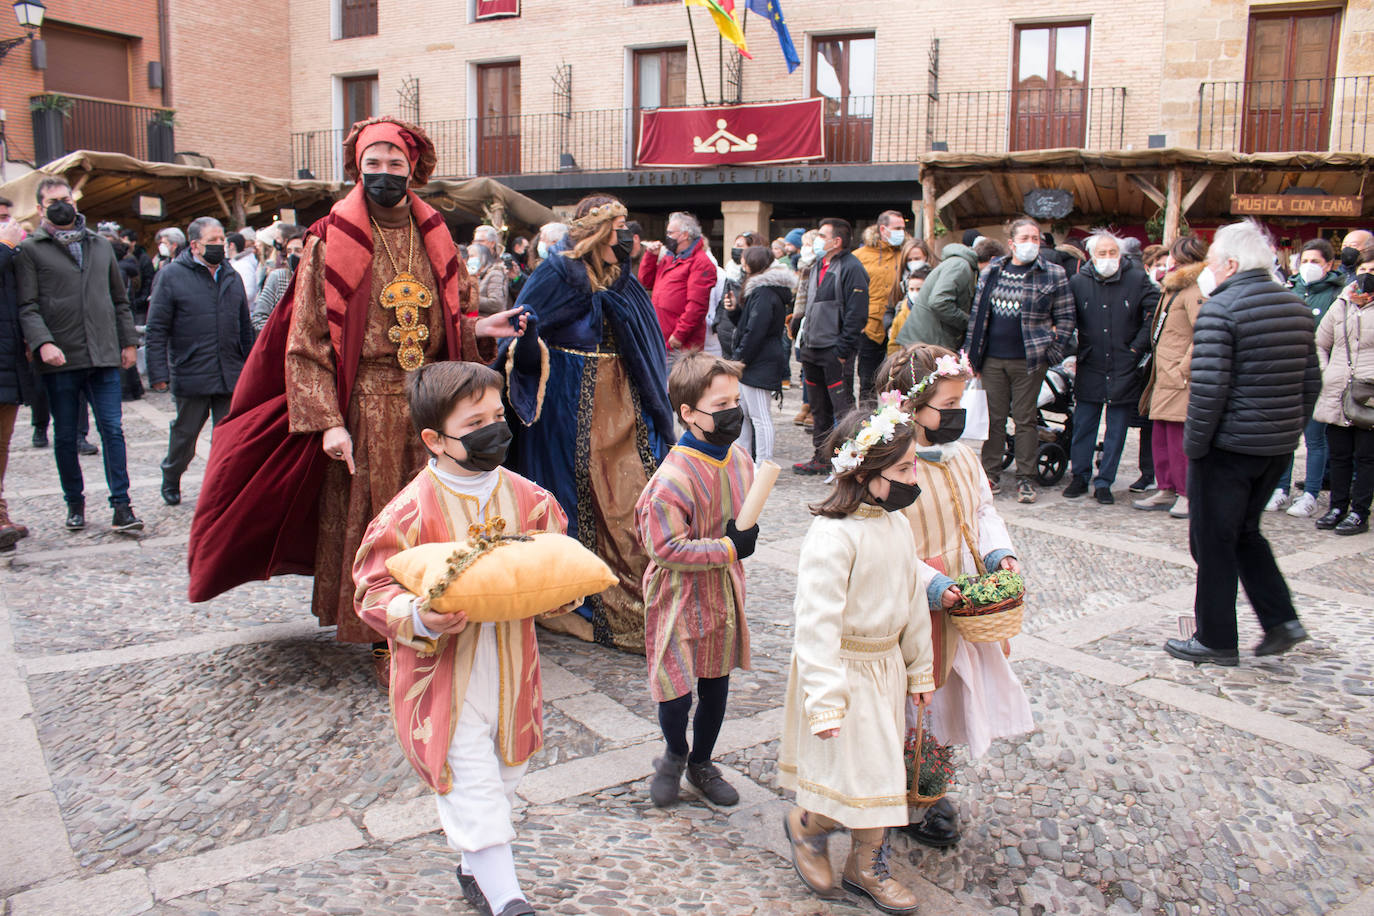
{"x":881,"y":129}
{"x":1281,"y":116}
{"x":65,"y":123}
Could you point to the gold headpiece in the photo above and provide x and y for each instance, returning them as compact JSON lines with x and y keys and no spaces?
{"x":599,"y":214}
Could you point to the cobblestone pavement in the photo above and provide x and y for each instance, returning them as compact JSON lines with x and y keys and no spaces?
{"x":230,"y":758}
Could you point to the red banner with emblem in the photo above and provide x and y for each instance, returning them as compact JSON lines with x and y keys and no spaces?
{"x":496,"y":9}
{"x":731,"y":135}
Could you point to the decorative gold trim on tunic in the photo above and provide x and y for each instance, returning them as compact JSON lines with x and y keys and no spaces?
{"x":866,"y":511}
{"x":590,"y":354}
{"x":869,"y":645}
{"x":872,"y":801}
{"x":406,"y":295}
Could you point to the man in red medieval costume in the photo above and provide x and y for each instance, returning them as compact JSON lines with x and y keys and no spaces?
{"x":319,"y":438}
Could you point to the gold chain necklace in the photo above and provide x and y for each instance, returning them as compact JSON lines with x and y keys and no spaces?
{"x":407,"y":296}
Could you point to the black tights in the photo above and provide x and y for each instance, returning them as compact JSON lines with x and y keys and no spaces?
{"x":672,"y":718}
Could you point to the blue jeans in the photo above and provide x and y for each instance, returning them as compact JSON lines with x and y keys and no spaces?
{"x":1086,"y":417}
{"x":102,"y":388}
{"x":1314,"y":436}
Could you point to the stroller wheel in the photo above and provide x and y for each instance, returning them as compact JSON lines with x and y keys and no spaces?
{"x":1051,"y":461}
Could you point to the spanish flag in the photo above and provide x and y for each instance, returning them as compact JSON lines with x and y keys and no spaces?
{"x":723,"y":12}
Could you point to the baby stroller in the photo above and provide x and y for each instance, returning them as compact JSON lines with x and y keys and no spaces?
{"x":1056,"y":397}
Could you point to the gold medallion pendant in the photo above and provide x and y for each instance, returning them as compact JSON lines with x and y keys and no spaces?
{"x":407,"y":295}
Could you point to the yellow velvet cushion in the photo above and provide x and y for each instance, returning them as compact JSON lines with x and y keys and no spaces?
{"x":516,"y":580}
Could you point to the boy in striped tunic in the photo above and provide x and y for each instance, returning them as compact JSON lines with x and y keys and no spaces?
{"x":694,"y":627}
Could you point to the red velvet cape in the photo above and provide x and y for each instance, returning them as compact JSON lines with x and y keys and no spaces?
{"x":258,"y":511}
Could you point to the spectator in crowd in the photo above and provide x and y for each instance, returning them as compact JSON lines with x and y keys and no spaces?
{"x":552,"y":236}
{"x":793,"y":244}
{"x":637,"y":245}
{"x":75,"y":314}
{"x":766,"y":298}
{"x":1131,"y":250}
{"x":1254,"y":383}
{"x":882,"y":260}
{"x":779,"y":250}
{"x":131,"y":383}
{"x":837,"y":304}
{"x":16,"y":379}
{"x":138,"y":303}
{"x":1021,"y":324}
{"x":1155,"y":259}
{"x":680,"y":276}
{"x":520,"y":251}
{"x":1345,"y":348}
{"x":806,"y":262}
{"x":1318,"y":281}
{"x":1354,"y":242}
{"x":720,"y":321}
{"x":1165,"y":400}
{"x":488,"y":237}
{"x":1114,"y":301}
{"x":241,"y":250}
{"x":490,"y":273}
{"x":939,"y":312}
{"x":170,"y":242}
{"x":199,"y":334}
{"x":292,"y":240}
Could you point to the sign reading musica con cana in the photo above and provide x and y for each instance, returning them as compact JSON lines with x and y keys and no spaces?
{"x":1295,"y":205}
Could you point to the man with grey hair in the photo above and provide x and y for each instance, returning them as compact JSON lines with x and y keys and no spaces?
{"x":489,"y":238}
{"x":199,"y":334}
{"x":1253,"y":383}
{"x":680,"y":276}
{"x":170,"y":242}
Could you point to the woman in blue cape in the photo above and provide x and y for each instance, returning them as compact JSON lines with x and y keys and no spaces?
{"x":589,"y":394}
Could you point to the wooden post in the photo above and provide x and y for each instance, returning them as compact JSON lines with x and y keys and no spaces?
{"x":928,"y":208}
{"x":1173,"y":194}
{"x":240,"y":215}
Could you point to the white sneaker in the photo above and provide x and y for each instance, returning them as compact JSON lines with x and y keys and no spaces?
{"x":1277,"y":501}
{"x":1158,"y":500}
{"x":1305,"y":506}
{"x":1180,"y":509}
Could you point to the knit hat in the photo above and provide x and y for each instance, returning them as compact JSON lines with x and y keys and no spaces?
{"x":971,"y":236}
{"x":794,"y":238}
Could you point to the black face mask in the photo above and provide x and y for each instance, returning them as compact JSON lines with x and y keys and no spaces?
{"x":213,"y":254}
{"x":899,"y":495}
{"x":728,"y":423}
{"x":624,"y":244}
{"x":735,"y":253}
{"x":951,"y":426}
{"x":1365,"y":283}
{"x":292,"y":262}
{"x":62,"y":213}
{"x":486,"y":447}
{"x":1350,"y":257}
{"x":384,"y":189}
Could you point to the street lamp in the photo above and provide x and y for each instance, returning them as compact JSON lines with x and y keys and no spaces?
{"x":30,"y":16}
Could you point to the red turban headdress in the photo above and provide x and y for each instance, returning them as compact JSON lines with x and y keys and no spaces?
{"x":419,"y":149}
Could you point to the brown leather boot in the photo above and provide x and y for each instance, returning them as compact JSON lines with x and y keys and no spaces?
{"x":802,"y":415}
{"x":809,"y":834}
{"x":9,"y":531}
{"x":865,"y":872}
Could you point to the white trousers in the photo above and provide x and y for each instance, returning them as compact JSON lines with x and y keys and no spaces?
{"x":757,"y":434}
{"x":476,"y":814}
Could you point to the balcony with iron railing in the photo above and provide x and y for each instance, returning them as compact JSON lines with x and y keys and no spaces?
{"x":1283,"y":116}
{"x":859,"y":130}
{"x":63,"y":124}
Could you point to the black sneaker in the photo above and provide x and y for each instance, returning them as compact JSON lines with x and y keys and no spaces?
{"x":1104,"y":496}
{"x":125,"y":520}
{"x":1354,"y":523}
{"x":1077,"y":487}
{"x":76,"y":518}
{"x":1142,"y":483}
{"x":473,"y":894}
{"x":86,"y":447}
{"x":40,"y":438}
{"x":708,"y":781}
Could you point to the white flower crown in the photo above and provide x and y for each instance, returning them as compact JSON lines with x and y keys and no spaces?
{"x":945,"y":367}
{"x":880,"y":427}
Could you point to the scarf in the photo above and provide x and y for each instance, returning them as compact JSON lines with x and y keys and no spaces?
{"x":71,"y":238}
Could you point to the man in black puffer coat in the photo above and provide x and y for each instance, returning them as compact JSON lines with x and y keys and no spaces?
{"x":1254,"y":382}
{"x":198,"y":326}
{"x":16,"y":379}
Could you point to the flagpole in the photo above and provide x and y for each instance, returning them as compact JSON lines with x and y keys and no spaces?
{"x":696,"y":51}
{"x":720,"y":67}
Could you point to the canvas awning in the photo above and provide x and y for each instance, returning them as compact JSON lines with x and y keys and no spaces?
{"x":973,"y":189}
{"x":110,"y":183}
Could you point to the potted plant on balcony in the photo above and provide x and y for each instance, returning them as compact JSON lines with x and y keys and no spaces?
{"x":48,"y":112}
{"x":161,"y":137}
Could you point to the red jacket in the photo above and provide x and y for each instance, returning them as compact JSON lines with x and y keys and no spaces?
{"x":681,"y":288}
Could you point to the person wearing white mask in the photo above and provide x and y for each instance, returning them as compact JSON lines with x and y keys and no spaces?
{"x":1022,"y":322}
{"x":882,"y":258}
{"x":1319,"y":281}
{"x":1114,"y":299}
{"x":492,"y":289}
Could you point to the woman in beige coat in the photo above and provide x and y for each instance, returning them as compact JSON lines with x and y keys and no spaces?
{"x":1345,"y":347}
{"x":1165,"y":400}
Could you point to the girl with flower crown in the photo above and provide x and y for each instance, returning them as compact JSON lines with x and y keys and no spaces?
{"x":978,"y":697}
{"x":862,"y":647}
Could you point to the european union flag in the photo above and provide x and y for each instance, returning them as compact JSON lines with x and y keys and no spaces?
{"x":772,"y":11}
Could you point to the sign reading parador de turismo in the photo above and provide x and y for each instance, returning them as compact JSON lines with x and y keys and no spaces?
{"x":731,"y":135}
